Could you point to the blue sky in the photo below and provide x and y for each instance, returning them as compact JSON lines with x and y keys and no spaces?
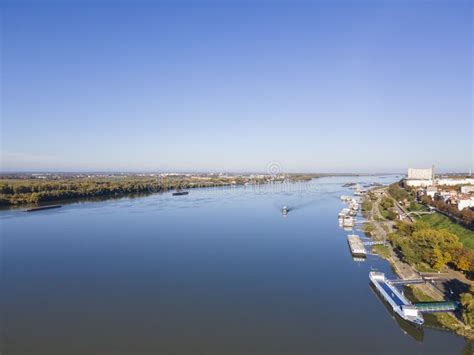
{"x":217,"y":86}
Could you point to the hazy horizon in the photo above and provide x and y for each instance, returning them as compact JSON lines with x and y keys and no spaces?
{"x":359,"y":87}
{"x":243,"y":172}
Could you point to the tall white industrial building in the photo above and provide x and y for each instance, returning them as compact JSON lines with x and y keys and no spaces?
{"x":426,"y":177}
{"x":420,"y":177}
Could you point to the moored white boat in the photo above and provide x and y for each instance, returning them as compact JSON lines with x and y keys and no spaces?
{"x":400,"y":305}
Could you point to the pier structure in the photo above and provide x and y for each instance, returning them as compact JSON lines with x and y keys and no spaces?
{"x":406,"y":282}
{"x":433,"y":307}
{"x":400,"y":305}
{"x":374,"y":242}
{"x":411,"y":312}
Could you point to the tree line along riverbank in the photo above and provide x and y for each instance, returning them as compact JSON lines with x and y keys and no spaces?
{"x":33,"y":191}
{"x":425,"y":243}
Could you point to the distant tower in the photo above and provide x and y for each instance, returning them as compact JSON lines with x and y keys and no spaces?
{"x":433,"y":175}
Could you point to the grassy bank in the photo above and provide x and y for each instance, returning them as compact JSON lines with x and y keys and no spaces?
{"x":382,"y":250}
{"x":366,"y":206}
{"x":439,"y":221}
{"x":428,"y":245}
{"x":368,"y":229}
{"x":443,"y":319}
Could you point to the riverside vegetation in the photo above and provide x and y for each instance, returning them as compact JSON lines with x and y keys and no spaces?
{"x":32,"y":191}
{"x":434,"y":242}
{"x":433,"y":249}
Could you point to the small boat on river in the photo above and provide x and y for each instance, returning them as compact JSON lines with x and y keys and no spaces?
{"x":41,"y":208}
{"x":180,"y":193}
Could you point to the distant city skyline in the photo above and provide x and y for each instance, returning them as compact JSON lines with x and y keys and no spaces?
{"x":362,"y":87}
{"x":441,"y":171}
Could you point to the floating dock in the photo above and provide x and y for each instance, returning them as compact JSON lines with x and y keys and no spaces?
{"x":344,"y":212}
{"x":371,"y":243}
{"x":356,"y":245}
{"x":347,"y":222}
{"x":400,"y":305}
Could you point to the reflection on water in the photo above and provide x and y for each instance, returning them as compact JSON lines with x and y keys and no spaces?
{"x":417,"y":333}
{"x":219,"y":271}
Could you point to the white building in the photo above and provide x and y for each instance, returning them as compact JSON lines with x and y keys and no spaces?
{"x":447,"y":195}
{"x":455,"y":181}
{"x":426,"y":177}
{"x":420,"y":174}
{"x":467,"y":189}
{"x":465,"y":203}
{"x":419,"y":183}
{"x":420,"y":177}
{"x":431,"y":191}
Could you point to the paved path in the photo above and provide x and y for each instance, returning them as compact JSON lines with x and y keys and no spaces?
{"x":402,"y":269}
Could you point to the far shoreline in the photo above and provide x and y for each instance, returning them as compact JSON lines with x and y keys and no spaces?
{"x":26,"y":191}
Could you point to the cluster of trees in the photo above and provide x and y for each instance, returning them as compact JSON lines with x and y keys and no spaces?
{"x":466,"y":216}
{"x":397,"y":192}
{"x":366,"y":206}
{"x":368,"y":228}
{"x":431,"y":249}
{"x":35,"y":191}
{"x":467,"y":304}
{"x":405,"y":195}
{"x":387,"y":208}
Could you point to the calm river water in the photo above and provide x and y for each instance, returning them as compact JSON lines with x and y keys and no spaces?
{"x":219,"y":271}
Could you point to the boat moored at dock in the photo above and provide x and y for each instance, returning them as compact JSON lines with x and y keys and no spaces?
{"x":400,"y":305}
{"x":356,"y":246}
{"x":344,"y":212}
{"x":347,"y":221}
{"x":348,"y":214}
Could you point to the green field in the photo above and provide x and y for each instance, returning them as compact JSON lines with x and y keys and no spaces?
{"x":382,"y":250}
{"x":440,"y":221}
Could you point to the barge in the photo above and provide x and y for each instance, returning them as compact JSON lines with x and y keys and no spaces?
{"x":41,"y":208}
{"x":356,"y":246}
{"x":180,"y":193}
{"x":400,"y":305}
